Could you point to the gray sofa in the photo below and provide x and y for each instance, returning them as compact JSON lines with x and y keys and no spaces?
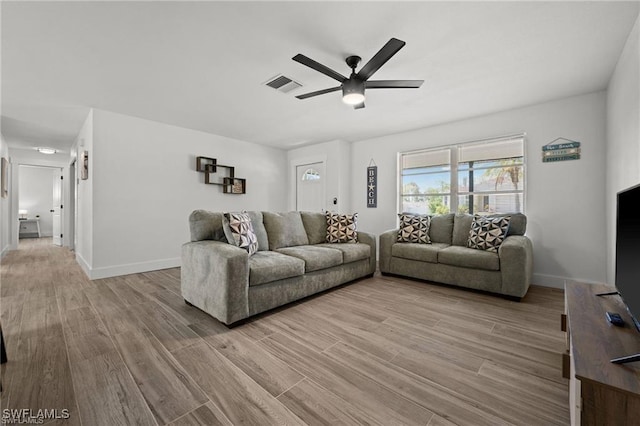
{"x":293,"y":261}
{"x":448,"y":260}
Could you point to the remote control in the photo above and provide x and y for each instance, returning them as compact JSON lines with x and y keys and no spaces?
{"x":615,"y":319}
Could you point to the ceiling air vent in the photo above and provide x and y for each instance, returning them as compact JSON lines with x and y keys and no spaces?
{"x":282,"y":84}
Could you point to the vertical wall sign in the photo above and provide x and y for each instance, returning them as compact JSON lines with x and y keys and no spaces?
{"x":372,"y":185}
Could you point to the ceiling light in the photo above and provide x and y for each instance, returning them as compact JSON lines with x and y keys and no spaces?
{"x":47,"y":151}
{"x":353,"y":91}
{"x":353,"y":98}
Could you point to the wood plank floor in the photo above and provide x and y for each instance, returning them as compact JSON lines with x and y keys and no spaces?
{"x":380,"y":351}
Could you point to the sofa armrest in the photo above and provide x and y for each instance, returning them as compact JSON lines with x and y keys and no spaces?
{"x":366,"y":238}
{"x":387,"y":240}
{"x":215,"y":278}
{"x":516,"y":265}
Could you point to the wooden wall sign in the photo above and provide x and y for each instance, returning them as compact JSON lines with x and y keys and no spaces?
{"x":372,"y":185}
{"x":553,"y":152}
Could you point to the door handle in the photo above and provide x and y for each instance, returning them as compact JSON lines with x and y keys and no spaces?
{"x":52,"y":211}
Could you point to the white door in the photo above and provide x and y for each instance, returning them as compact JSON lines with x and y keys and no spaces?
{"x":310,"y":187}
{"x":56,"y":208}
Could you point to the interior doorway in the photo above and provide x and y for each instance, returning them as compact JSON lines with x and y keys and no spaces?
{"x":40,"y":203}
{"x":310,"y":187}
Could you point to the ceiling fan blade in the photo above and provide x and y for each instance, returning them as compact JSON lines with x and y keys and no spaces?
{"x":318,"y":92}
{"x":359,"y":106}
{"x":319,"y":67}
{"x":379,"y":59}
{"x":393,"y":84}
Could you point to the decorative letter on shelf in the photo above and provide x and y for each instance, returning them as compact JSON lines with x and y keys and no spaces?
{"x":230,"y":184}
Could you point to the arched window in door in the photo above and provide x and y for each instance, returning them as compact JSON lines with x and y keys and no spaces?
{"x":311,"y":175}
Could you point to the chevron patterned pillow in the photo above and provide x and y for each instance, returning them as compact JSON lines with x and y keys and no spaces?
{"x":487,"y":233}
{"x":242,"y":231}
{"x":414,"y":228}
{"x":341,"y":228}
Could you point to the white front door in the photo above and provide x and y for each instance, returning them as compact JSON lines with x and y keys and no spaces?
{"x":56,"y":208}
{"x":310,"y":187}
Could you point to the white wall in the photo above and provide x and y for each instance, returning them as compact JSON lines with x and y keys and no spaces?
{"x":36,"y":195}
{"x":84,"y":211}
{"x":623,"y":135}
{"x":564,"y":200}
{"x":143,"y":186}
{"x":5,"y":213}
{"x":337,"y":158}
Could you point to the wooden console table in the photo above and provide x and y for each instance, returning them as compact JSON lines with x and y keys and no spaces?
{"x":600,"y":393}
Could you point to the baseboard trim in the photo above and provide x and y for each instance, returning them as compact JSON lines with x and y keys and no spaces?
{"x":129,"y":268}
{"x":555,"y":281}
{"x":5,"y":250}
{"x":83,"y":264}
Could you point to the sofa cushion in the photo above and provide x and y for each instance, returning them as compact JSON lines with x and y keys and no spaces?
{"x":341,"y":228}
{"x":422,"y":252}
{"x":284,"y":229}
{"x":315,"y":257}
{"x":469,"y":258}
{"x":242,"y":234}
{"x":441,"y":228}
{"x":517,"y":224}
{"x":487,"y":233}
{"x":462,"y":226}
{"x":268,"y":266}
{"x":351,"y":252}
{"x":414,"y":228}
{"x":315,"y":224}
{"x":260,"y":230}
{"x":206,"y":225}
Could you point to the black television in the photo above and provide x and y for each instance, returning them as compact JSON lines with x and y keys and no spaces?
{"x":628,"y":255}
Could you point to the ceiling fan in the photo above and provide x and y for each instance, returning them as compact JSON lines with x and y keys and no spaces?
{"x":353,"y":86}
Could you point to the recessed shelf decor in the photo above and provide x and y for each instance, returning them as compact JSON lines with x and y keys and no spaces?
{"x":230,"y":184}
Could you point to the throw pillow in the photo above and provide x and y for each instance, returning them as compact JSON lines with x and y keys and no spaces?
{"x":487,"y":233}
{"x":341,"y":228}
{"x":414,"y":228}
{"x":242,"y":231}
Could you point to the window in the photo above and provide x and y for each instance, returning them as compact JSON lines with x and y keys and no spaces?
{"x":481,"y":177}
{"x":311,"y":174}
{"x":426,"y":182}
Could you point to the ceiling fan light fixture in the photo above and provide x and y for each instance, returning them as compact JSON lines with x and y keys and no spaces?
{"x":353,"y":98}
{"x":353,"y":92}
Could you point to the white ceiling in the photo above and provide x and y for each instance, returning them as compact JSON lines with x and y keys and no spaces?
{"x":201,"y":65}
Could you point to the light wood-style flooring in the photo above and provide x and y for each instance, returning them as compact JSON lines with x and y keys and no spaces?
{"x":380,"y":351}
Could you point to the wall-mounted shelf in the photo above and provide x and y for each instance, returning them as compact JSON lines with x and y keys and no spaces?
{"x":230,"y":184}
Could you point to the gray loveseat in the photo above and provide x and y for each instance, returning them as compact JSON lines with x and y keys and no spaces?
{"x":293,"y":261}
{"x":448,"y":260}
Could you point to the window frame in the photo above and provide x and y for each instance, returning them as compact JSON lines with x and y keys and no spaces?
{"x":454,"y":155}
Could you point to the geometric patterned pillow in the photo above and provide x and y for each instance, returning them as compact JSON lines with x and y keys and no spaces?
{"x":414,"y":228}
{"x":242,"y":231}
{"x":487,"y":233}
{"x":341,"y":228}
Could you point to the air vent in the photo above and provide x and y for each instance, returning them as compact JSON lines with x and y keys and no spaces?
{"x":282,"y":84}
